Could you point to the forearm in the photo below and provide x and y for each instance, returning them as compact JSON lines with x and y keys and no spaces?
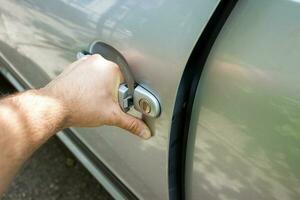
{"x":84,"y":95}
{"x":27,"y":120}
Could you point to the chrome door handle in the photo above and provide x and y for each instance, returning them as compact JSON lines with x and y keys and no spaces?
{"x":130,"y":93}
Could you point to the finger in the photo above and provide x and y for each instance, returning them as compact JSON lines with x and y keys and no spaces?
{"x":122,"y":80}
{"x":101,"y":58}
{"x":70,"y":68}
{"x":76,"y":63}
{"x":133,"y":125}
{"x":100,"y":61}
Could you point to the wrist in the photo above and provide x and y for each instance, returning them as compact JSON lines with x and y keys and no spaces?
{"x":28,"y":119}
{"x":57,"y":107}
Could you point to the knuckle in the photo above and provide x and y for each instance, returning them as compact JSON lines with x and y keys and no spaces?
{"x":96,"y":59}
{"x":96,"y":56}
{"x":133,"y":125}
{"x":113,"y":65}
{"x":100,"y":58}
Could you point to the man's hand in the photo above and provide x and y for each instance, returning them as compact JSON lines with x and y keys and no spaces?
{"x":88,"y":90}
{"x":85,"y":94}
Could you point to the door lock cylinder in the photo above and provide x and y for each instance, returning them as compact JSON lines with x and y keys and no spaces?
{"x":130,"y":93}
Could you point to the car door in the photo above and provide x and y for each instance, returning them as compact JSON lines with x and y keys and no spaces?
{"x":244,"y":138}
{"x":39,"y":38}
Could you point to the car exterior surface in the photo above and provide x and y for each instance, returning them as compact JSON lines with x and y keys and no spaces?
{"x":40,"y":38}
{"x":243,"y":133}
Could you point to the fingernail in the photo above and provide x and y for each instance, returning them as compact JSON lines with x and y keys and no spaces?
{"x":146,"y":134}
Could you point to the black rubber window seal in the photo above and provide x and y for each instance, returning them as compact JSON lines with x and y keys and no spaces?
{"x":185,"y":99}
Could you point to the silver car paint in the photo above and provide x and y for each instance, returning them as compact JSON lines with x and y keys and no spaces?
{"x":39,"y":38}
{"x":245,"y":138}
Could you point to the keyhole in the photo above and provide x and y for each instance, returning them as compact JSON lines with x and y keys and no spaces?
{"x":145,"y":106}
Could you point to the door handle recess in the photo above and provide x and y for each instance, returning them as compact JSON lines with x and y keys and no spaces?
{"x":130,"y":93}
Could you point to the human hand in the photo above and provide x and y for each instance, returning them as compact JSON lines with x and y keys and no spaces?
{"x":88,"y":90}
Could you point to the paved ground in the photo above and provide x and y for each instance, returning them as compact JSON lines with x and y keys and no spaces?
{"x":53,"y":174}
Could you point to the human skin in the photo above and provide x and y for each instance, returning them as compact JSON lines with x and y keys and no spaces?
{"x":84,"y":95}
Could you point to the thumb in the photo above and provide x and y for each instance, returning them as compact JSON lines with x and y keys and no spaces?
{"x":134,"y":125}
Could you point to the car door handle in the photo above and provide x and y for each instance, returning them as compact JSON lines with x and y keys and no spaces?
{"x":130,"y":93}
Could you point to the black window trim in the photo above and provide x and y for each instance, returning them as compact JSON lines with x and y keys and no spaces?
{"x":185,"y":99}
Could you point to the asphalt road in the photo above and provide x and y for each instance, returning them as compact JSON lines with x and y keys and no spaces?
{"x":53,"y":173}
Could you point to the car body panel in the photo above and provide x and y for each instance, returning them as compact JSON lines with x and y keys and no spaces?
{"x":244,"y":139}
{"x":39,"y":38}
